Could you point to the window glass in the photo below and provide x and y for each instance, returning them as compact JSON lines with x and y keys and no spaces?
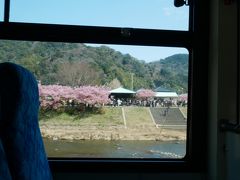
{"x":1,"y":10}
{"x":149,"y":14}
{"x":108,"y":101}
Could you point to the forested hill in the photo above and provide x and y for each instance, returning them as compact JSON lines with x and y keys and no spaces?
{"x":171,"y":72}
{"x":79,"y":64}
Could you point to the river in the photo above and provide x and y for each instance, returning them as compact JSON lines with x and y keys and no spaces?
{"x":114,"y":149}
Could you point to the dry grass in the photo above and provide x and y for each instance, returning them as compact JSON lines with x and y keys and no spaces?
{"x":184,"y":111}
{"x":111,"y":117}
{"x":138,"y":117}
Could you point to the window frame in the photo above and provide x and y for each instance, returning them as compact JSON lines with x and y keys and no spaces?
{"x":195,"y":40}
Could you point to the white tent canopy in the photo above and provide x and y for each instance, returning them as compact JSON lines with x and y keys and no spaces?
{"x":121,"y":90}
{"x":166,"y":94}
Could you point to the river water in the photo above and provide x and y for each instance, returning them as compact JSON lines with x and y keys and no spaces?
{"x":114,"y":149}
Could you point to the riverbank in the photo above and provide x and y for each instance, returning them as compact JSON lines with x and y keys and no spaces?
{"x":92,"y":133}
{"x":136,"y":125}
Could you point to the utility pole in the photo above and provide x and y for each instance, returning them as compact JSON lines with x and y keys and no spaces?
{"x":132,"y":80}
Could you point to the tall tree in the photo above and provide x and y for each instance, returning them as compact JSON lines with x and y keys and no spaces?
{"x":77,"y":74}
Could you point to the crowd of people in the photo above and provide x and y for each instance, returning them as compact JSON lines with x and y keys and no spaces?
{"x":155,"y":102}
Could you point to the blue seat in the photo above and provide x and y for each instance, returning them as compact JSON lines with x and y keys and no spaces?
{"x":22,"y":153}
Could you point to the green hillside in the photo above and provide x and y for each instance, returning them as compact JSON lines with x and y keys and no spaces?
{"x":79,"y":64}
{"x":171,"y":72}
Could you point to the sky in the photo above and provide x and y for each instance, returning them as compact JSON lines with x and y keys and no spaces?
{"x":1,"y":9}
{"x":146,"y":53}
{"x":150,"y":14}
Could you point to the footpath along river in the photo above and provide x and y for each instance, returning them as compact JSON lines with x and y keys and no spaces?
{"x":115,"y":149}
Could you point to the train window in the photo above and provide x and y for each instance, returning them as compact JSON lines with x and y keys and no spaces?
{"x":153,"y":14}
{"x":82,"y":49}
{"x":1,"y":9}
{"x":108,"y":101}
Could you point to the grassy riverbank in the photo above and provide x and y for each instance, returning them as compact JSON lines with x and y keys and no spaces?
{"x":130,"y":123}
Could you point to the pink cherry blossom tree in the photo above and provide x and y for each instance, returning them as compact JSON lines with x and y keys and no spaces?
{"x":53,"y":97}
{"x":145,"y":94}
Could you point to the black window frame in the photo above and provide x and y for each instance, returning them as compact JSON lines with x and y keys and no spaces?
{"x":195,"y":40}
